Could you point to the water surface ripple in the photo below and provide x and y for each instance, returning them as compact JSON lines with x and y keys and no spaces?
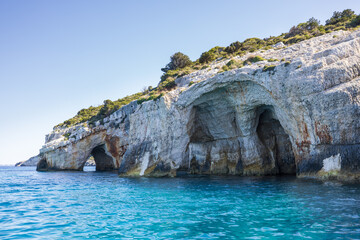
{"x":92,"y":205}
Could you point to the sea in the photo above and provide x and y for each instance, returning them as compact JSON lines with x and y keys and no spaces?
{"x":102,"y":205}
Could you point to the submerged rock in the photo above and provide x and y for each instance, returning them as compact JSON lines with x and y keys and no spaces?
{"x":256,"y":120}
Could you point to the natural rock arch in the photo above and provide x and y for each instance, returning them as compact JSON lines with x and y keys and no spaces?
{"x":103,"y":160}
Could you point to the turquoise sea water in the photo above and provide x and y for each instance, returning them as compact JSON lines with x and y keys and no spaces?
{"x":92,"y":205}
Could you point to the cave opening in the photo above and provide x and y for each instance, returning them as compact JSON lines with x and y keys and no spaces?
{"x":276,"y":141}
{"x":101,"y":159}
{"x":90,"y":164}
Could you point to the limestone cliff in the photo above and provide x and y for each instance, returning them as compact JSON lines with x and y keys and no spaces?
{"x":298,"y":116}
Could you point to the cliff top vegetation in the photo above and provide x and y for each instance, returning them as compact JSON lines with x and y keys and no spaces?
{"x":181,"y":65}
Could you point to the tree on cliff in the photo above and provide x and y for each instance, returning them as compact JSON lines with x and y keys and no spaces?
{"x":178,"y":60}
{"x":207,"y":57}
{"x":303,"y":28}
{"x":312,"y":23}
{"x":343,"y":16}
{"x":234,"y":47}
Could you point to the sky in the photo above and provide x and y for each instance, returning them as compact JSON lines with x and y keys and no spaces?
{"x":57,"y":57}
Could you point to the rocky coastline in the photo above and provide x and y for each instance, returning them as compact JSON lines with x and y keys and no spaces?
{"x":298,"y":116}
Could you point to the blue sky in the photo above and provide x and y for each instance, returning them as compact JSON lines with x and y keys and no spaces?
{"x":57,"y":57}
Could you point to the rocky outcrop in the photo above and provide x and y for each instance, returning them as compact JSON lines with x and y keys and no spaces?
{"x":295,"y":117}
{"x":31,"y":162}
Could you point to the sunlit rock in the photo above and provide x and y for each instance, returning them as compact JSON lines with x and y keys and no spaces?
{"x":253,"y":120}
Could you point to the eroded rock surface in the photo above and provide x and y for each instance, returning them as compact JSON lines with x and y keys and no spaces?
{"x":246,"y":121}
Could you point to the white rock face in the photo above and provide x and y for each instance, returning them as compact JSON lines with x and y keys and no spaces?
{"x":245,"y":121}
{"x":144,"y":163}
{"x":332,"y":163}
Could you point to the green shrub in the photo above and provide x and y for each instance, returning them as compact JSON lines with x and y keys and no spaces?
{"x":225,"y":68}
{"x":67,"y":135}
{"x":269,"y":68}
{"x":294,"y":31}
{"x":312,"y":23}
{"x":287,"y":63}
{"x":339,"y":17}
{"x":173,"y":74}
{"x":252,"y":44}
{"x":355,"y":22}
{"x":233,"y":47}
{"x":303,"y":28}
{"x":141,"y":100}
{"x":185,"y":71}
{"x":204,"y":67}
{"x":272,"y":41}
{"x":191,"y":83}
{"x":207,"y":57}
{"x":158,"y":96}
{"x":273,"y":60}
{"x":93,"y":114}
{"x":340,"y":28}
{"x":296,"y":39}
{"x":168,"y":84}
{"x":178,"y":60}
{"x":232,"y":64}
{"x":321,"y":29}
{"x":153,"y":96}
{"x":254,"y":59}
